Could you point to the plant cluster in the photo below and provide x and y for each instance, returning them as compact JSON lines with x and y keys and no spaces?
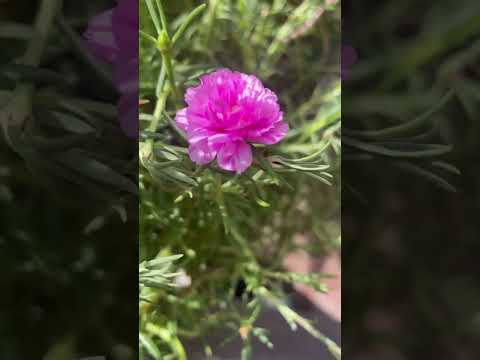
{"x":235,"y":230}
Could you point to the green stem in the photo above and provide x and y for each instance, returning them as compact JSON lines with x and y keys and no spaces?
{"x":159,"y":108}
{"x":164,"y":45}
{"x":163,"y":17}
{"x":153,"y":16}
{"x":43,"y":25}
{"x":161,"y":80}
{"x":157,"y":114}
{"x":171,"y":74}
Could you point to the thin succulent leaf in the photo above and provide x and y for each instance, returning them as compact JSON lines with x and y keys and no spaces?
{"x":154,"y":16}
{"x":44,"y":144}
{"x":403,"y":128}
{"x":447,"y":167}
{"x":312,"y":280}
{"x":398,"y":149}
{"x":294,"y":319}
{"x":166,"y":154}
{"x":262,"y":336}
{"x":47,"y":169}
{"x":172,"y":174}
{"x":149,"y":345}
{"x":312,"y":156}
{"x":318,"y":177}
{"x":69,"y":123}
{"x":162,"y":261}
{"x":304,"y":166}
{"x":88,"y":118}
{"x":321,"y":122}
{"x":106,"y":111}
{"x":165,"y":164}
{"x":20,"y":72}
{"x":163,"y":17}
{"x":167,"y":336}
{"x":430,"y":176}
{"x":176,"y":150}
{"x":87,"y":165}
{"x":10,"y":30}
{"x":148,"y":37}
{"x":187,"y":22}
{"x":255,"y":189}
{"x":156,"y":273}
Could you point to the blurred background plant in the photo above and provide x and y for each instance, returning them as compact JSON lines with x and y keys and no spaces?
{"x":236,"y":231}
{"x":67,"y":178}
{"x":411,"y":180}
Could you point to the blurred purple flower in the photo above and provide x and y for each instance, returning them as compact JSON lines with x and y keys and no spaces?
{"x":100,"y":37}
{"x":349,"y":57}
{"x":113,"y":37}
{"x":226,"y":112}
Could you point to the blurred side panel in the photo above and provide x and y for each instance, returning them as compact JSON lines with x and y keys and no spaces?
{"x":68,"y":179}
{"x":411,"y":180}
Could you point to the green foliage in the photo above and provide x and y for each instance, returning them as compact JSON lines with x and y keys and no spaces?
{"x":235,"y":231}
{"x":156,"y":273}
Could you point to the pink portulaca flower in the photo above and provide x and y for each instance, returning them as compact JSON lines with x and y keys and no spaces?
{"x":227,"y":112}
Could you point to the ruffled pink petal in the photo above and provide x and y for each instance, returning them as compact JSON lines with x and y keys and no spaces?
{"x":200,"y":152}
{"x":235,"y":156}
{"x":181,"y":119}
{"x":196,"y":134}
{"x":272,"y":136}
{"x":197,"y":119}
{"x":217,"y":141}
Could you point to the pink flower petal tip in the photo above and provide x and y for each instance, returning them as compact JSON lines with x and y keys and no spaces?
{"x":225,"y":114}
